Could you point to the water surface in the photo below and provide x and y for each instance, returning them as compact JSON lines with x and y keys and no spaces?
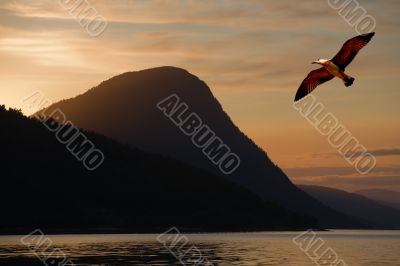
{"x":263,"y":248}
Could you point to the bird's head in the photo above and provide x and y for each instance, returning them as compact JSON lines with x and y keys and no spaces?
{"x":320,"y":61}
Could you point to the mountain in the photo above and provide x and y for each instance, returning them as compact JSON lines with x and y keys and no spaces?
{"x":127,"y":108}
{"x":385,"y":197}
{"x":356,"y":205}
{"x":44,"y":186}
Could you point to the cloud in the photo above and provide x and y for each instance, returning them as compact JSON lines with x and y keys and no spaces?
{"x":355,"y":183}
{"x":386,"y":152}
{"x":346,"y":177}
{"x":308,"y":172}
{"x":375,"y":152}
{"x":42,"y":49}
{"x":207,"y":12}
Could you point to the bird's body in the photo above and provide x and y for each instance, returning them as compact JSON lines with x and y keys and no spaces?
{"x":334,"y":67}
{"x":335,"y":70}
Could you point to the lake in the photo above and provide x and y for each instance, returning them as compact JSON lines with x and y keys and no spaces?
{"x":352,"y":247}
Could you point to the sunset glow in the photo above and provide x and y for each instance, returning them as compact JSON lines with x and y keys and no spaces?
{"x":252,"y":54}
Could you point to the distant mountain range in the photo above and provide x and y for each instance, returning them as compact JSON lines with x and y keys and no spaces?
{"x":359,"y":206}
{"x":125,"y":108}
{"x":44,"y":186}
{"x":385,"y":197}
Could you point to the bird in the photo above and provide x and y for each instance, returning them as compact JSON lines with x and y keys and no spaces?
{"x":334,"y":67}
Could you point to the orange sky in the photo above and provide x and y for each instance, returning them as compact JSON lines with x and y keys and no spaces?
{"x":253,"y":55}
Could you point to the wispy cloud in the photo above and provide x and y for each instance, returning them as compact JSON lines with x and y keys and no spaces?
{"x":42,"y":49}
{"x":386,"y":152}
{"x":375,"y":152}
{"x":355,"y":183}
{"x":346,"y":177}
{"x":245,"y":45}
{"x":307,"y":172}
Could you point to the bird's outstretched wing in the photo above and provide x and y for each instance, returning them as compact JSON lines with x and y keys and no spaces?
{"x":350,"y":49}
{"x":313,"y":79}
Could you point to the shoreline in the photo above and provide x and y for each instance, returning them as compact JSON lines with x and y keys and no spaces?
{"x":116,"y":231}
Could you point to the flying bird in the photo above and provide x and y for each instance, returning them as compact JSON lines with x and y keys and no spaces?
{"x":335,"y":66}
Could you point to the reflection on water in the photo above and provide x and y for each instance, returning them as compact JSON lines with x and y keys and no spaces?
{"x":354,"y":247}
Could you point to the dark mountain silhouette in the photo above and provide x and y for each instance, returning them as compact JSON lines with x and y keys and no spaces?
{"x":44,"y":186}
{"x":385,"y":197}
{"x":356,"y":205}
{"x":124,"y":108}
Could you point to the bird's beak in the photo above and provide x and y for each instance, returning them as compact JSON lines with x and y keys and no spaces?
{"x":314,"y":62}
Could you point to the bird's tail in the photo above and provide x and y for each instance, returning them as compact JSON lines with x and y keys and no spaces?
{"x":349,"y":81}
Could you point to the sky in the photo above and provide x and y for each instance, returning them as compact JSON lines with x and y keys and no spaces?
{"x":252,"y":53}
